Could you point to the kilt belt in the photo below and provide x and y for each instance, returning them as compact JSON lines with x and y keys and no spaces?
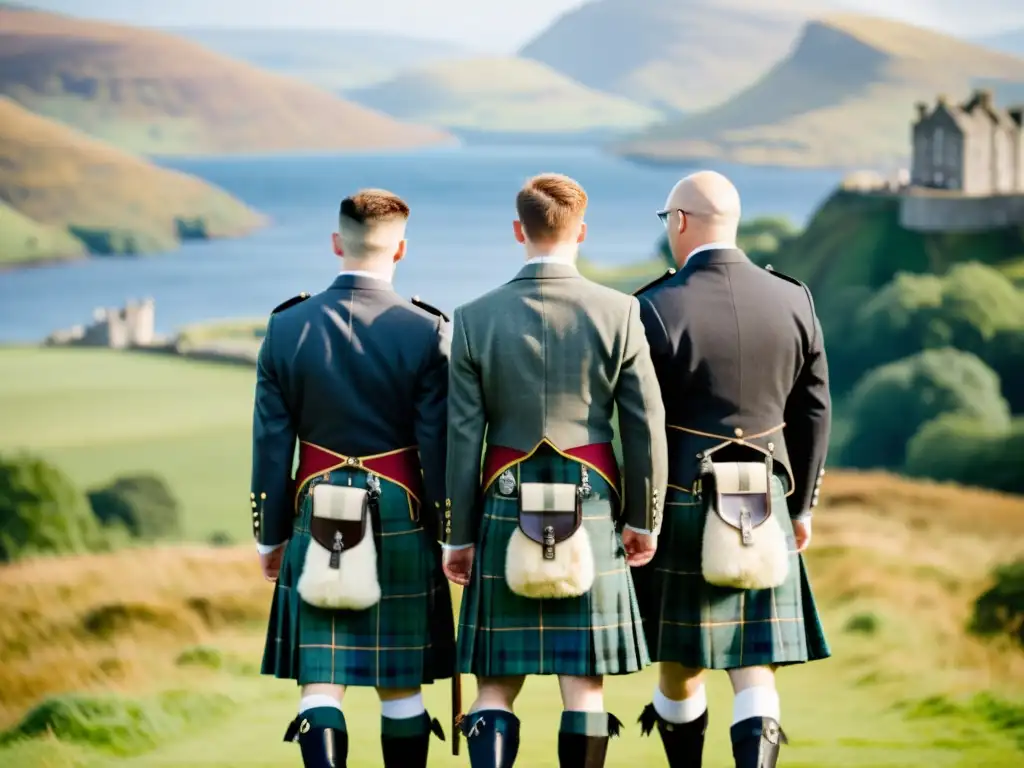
{"x":599,"y":457}
{"x":401,"y":467}
{"x":738,"y":438}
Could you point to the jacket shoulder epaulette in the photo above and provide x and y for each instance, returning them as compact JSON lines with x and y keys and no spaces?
{"x":657,"y":281}
{"x":783,"y":275}
{"x":290,"y":303}
{"x":429,"y":308}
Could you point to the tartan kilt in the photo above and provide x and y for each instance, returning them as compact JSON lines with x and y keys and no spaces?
{"x":504,"y":634}
{"x":699,"y":625}
{"x":404,"y":641}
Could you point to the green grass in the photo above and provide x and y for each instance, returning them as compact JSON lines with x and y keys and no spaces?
{"x":832,"y":718}
{"x":23,"y":241}
{"x":99,"y":414}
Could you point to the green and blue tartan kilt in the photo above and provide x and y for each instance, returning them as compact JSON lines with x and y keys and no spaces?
{"x":404,"y":641}
{"x":699,"y":625}
{"x":504,"y":634}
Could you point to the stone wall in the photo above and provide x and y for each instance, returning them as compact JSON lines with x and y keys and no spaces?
{"x":937,"y":212}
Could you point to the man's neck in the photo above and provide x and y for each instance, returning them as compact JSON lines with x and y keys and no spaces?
{"x":368,"y":269}
{"x":715,"y":245}
{"x":560,"y":252}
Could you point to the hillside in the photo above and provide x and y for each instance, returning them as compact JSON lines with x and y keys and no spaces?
{"x":24,"y":241}
{"x":151,"y":92}
{"x":109,"y":200}
{"x":333,"y":59}
{"x":896,"y":566}
{"x":844,"y":97}
{"x":502,"y":95}
{"x":674,"y":56}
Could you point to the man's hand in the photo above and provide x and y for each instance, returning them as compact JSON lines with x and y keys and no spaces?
{"x":802,"y":534}
{"x":640,"y":547}
{"x":271,"y":563}
{"x":458,"y":565}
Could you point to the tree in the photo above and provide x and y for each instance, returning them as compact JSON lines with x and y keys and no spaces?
{"x":1000,"y":609}
{"x":41,"y":510}
{"x":890,"y":404}
{"x":141,"y":503}
{"x":1005,"y":355}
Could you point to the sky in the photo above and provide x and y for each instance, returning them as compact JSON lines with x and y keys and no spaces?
{"x":493,"y":25}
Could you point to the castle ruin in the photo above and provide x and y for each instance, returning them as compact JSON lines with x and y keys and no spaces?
{"x":133,"y":325}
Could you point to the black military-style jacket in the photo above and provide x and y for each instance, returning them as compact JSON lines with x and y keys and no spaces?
{"x":356,"y":370}
{"x":740,"y":357}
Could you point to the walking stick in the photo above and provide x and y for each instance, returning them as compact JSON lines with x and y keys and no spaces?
{"x":456,"y":712}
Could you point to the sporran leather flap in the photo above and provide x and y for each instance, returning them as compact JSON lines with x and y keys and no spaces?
{"x":549,"y":513}
{"x":742,"y":495}
{"x":339,"y":518}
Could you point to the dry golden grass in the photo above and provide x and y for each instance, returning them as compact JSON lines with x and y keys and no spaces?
{"x":115,"y":621}
{"x":153,"y":92}
{"x":914,"y":556}
{"x":60,"y":177}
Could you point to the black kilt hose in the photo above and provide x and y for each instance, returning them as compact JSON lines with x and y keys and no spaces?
{"x":504,"y":634}
{"x":404,"y":641}
{"x":699,"y":625}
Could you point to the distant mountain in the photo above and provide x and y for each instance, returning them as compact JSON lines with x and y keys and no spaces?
{"x":56,"y":182}
{"x":1011,"y":41}
{"x":335,"y":60}
{"x":675,"y":55}
{"x":154,"y":93}
{"x":503,"y":96}
{"x":844,"y":97}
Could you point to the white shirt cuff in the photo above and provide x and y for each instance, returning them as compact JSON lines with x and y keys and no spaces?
{"x":638,"y":530}
{"x":455,"y":547}
{"x":266,"y":549}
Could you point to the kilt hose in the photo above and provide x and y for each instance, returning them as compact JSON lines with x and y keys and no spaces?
{"x":699,"y":625}
{"x":504,"y":634}
{"x":404,"y":641}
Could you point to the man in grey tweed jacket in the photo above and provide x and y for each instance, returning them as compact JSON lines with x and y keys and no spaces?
{"x":538,"y":366}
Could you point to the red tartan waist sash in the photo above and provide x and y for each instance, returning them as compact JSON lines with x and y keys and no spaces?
{"x":401,"y":467}
{"x":599,"y":457}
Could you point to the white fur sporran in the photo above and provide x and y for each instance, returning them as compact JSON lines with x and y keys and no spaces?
{"x":737,"y":552}
{"x":570,"y":571}
{"x":340,"y":512}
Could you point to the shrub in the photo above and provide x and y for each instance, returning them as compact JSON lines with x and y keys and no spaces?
{"x":891,"y":403}
{"x":1000,"y":609}
{"x":142,"y":503}
{"x":41,"y":510}
{"x":959,"y":449}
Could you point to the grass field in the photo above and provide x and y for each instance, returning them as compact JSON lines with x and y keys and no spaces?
{"x":896,"y":564}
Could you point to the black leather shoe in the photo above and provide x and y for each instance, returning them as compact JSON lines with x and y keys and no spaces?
{"x":756,"y":742}
{"x":683,"y":742}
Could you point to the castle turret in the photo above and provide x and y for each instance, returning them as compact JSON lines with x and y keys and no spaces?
{"x":922,"y":110}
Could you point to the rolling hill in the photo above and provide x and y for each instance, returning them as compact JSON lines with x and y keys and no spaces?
{"x":154,"y":93}
{"x":333,"y":59}
{"x":843,"y":97}
{"x":503,"y":95}
{"x":58,"y":180}
{"x":675,"y":56}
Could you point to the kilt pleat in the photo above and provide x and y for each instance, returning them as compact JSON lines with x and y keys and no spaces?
{"x":699,"y":625}
{"x":504,"y":634}
{"x":404,"y":641}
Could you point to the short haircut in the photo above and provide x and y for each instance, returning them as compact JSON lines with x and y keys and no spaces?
{"x":372,"y":222}
{"x":550,"y":207}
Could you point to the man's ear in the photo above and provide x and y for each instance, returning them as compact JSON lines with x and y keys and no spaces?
{"x":517,"y":229}
{"x":336,"y":241}
{"x":400,"y":252}
{"x":683,"y":222}
{"x":583,"y":232}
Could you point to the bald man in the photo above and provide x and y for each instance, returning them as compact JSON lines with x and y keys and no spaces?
{"x":740,"y":358}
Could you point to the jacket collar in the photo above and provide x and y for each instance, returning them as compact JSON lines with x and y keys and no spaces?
{"x":543,"y":270}
{"x":713,"y":257}
{"x":361,"y":283}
